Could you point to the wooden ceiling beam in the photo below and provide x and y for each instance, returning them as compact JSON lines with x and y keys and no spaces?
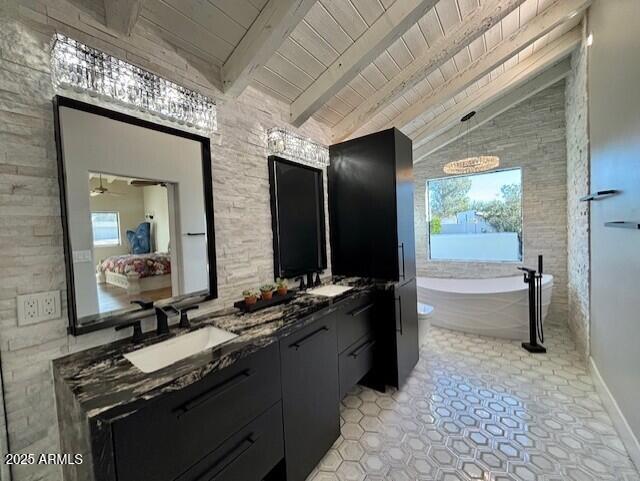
{"x":555,"y":15}
{"x":274,"y":24}
{"x":476,"y":24}
{"x":539,"y":71}
{"x":122,"y":15}
{"x":390,"y":26}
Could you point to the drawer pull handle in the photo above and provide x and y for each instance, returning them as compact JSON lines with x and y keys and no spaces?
{"x":357,"y":312}
{"x":297,"y":345}
{"x":231,"y":456}
{"x":214,"y":392}
{"x":364,"y":347}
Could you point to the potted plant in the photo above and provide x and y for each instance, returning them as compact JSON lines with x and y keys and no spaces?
{"x":282,"y":286}
{"x":250,"y":296}
{"x":266,"y":291}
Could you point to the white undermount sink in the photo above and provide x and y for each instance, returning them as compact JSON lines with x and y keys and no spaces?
{"x":329,"y":291}
{"x":163,"y":354}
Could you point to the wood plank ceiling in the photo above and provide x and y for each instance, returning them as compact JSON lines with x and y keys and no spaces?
{"x":358,"y":66}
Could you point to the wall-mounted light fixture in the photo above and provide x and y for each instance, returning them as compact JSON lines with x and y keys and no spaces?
{"x":79,"y":67}
{"x":289,"y":145}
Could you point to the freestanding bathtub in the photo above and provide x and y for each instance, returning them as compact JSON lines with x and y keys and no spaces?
{"x":496,"y":307}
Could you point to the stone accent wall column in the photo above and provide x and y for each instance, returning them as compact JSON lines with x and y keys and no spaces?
{"x":578,"y":269}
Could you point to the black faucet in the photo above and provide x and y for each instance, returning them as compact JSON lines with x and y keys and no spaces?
{"x":162,"y":318}
{"x":301,"y":287}
{"x":184,"y":318}
{"x":137,"y":330}
{"x":143,"y":304}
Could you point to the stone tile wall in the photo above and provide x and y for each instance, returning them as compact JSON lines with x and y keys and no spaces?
{"x":531,"y":135}
{"x":577,"y":111}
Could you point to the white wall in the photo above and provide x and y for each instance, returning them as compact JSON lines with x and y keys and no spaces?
{"x":156,"y":204}
{"x":614,"y":118}
{"x":31,"y":240}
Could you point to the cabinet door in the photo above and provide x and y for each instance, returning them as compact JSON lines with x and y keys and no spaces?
{"x":406,"y":317}
{"x":310,"y":399}
{"x":404,"y":206}
{"x":247,"y":455}
{"x":172,"y":432}
{"x":362,"y":207}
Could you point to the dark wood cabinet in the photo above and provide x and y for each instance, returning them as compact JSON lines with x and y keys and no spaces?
{"x":163,"y":439}
{"x":354,"y":319}
{"x":310,"y":400}
{"x":270,"y":415}
{"x":398,"y":339}
{"x":406,"y":331}
{"x":370,"y":184}
{"x":371,"y":188}
{"x":404,"y":207}
{"x":356,"y":362}
{"x":248,"y":455}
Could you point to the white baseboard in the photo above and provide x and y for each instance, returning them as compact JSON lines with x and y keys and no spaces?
{"x":619,"y":421}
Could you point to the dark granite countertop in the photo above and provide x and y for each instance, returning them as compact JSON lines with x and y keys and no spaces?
{"x":107,"y":386}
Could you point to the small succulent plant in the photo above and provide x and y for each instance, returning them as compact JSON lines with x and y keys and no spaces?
{"x":250,"y":293}
{"x":267,"y":288}
{"x":281,"y":283}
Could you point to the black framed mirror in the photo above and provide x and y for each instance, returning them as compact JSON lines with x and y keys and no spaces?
{"x":137,"y":215}
{"x":297,"y":216}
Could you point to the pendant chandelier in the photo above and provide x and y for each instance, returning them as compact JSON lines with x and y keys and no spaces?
{"x":471,"y":164}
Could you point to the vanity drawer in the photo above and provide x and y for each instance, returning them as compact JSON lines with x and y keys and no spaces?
{"x":248,"y":455}
{"x":355,"y":319}
{"x":355,"y":362}
{"x":178,"y":429}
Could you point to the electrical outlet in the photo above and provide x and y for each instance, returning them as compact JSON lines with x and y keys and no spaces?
{"x":30,"y":312}
{"x":49,"y":304}
{"x":39,"y":307}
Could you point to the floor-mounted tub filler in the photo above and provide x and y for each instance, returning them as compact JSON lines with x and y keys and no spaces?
{"x":496,"y":307}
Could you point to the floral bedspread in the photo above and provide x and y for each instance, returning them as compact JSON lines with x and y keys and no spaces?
{"x":138,"y":265}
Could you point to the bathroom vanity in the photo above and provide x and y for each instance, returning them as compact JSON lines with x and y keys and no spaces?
{"x":227,"y":396}
{"x":264,"y":404}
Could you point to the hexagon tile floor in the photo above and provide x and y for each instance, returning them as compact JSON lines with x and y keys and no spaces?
{"x":481,"y":409}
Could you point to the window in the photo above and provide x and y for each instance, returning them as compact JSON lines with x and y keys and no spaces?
{"x":476,"y":217}
{"x":106,"y":228}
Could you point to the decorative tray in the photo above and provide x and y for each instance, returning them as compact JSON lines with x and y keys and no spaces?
{"x":261,"y":304}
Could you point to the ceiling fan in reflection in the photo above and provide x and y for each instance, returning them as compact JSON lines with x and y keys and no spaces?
{"x":102,"y":190}
{"x":146,"y":183}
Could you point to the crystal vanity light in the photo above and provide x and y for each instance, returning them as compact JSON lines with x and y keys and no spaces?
{"x":84,"y":69}
{"x":294,"y":147}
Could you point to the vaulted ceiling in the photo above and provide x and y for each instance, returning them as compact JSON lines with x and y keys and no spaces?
{"x":359,"y":66}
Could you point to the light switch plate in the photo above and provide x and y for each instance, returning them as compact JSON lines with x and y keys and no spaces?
{"x":82,"y":256}
{"x":42,"y":306}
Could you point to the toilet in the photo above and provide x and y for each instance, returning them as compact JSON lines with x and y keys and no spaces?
{"x":424,"y":314}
